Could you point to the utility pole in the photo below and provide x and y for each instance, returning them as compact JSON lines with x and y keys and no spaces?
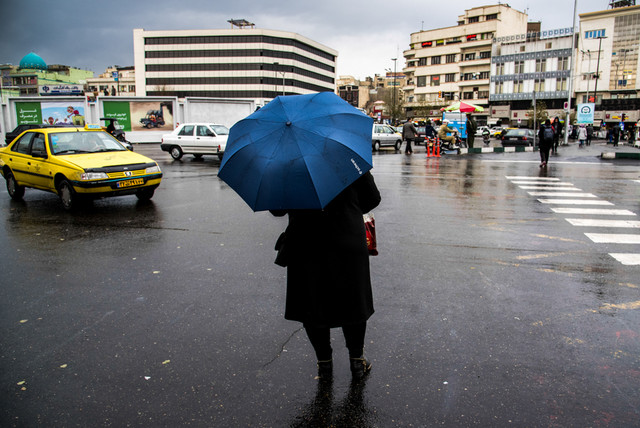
{"x":570,"y":86}
{"x":393,"y":109}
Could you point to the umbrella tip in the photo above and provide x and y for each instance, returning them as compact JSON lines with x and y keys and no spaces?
{"x":288,"y":123}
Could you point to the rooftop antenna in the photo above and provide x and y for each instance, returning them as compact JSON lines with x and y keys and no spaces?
{"x":613,"y":4}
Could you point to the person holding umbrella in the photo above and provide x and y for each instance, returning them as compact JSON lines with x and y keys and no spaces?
{"x":308,"y":157}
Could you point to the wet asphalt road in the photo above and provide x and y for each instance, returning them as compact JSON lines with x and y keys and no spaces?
{"x":491,"y":309}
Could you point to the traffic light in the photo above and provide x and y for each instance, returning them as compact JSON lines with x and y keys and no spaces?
{"x":624,"y":116}
{"x":440,"y":94}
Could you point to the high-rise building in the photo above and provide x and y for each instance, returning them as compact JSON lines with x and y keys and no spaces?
{"x":231,"y":63}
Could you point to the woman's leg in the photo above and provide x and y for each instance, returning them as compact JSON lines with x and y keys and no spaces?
{"x":354,"y":338}
{"x":320,"y":338}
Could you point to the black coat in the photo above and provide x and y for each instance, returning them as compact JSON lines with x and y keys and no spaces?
{"x":328,"y":282}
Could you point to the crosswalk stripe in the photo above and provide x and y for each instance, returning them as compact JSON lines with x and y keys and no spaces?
{"x":574,"y":202}
{"x":569,"y":194}
{"x":590,"y":222}
{"x":543,"y":183}
{"x":613,"y":238}
{"x":520,"y":177}
{"x":559,"y":189}
{"x":591,"y":211}
{"x":628,"y":259}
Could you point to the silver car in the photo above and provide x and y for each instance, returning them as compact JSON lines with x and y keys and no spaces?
{"x":384,"y":135}
{"x":197,"y":139}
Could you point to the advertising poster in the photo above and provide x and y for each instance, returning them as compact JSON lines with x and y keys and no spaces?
{"x":151,"y":115}
{"x":28,"y":113}
{"x":62,"y":113}
{"x":119,"y":110}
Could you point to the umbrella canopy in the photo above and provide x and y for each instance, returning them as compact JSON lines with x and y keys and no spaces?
{"x":297,"y":152}
{"x":463,"y":107}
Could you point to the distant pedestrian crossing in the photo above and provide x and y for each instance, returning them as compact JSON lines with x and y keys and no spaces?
{"x":565,"y":198}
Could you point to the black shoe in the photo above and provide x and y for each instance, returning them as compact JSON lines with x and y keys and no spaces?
{"x":359,"y":367}
{"x":325,"y":369}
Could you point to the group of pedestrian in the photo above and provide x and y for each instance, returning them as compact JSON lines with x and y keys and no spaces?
{"x":444,"y":133}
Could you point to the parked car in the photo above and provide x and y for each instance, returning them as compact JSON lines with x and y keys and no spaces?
{"x":77,"y":164}
{"x":521,"y":136}
{"x":197,"y":139}
{"x":496,"y":131}
{"x":10,"y":136}
{"x":384,"y":135}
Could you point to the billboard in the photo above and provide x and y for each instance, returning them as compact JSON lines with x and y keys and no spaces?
{"x":52,"y":113}
{"x":585,"y":113}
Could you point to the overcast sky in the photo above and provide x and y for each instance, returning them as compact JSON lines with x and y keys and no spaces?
{"x":93,"y":35}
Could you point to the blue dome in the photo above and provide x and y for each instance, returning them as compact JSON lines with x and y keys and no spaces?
{"x":33,"y":61}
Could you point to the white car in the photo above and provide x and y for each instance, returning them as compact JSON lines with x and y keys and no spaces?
{"x":384,"y":135}
{"x":197,"y":139}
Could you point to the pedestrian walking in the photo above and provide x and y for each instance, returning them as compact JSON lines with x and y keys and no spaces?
{"x":557,"y":129}
{"x":546,"y":136}
{"x":615,"y":134}
{"x":328,"y":279}
{"x":409,"y":133}
{"x":589,"y":134}
{"x":582,"y":135}
{"x":472,"y":127}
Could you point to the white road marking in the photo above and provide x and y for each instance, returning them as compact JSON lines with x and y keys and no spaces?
{"x":628,"y":259}
{"x":543,"y":183}
{"x":519,"y":177}
{"x":574,"y":202}
{"x":592,"y":211}
{"x":613,"y":238}
{"x":590,"y":222}
{"x":571,"y":195}
{"x":558,"y":189}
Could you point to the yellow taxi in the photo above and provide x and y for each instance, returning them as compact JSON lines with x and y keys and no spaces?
{"x":77,"y":164}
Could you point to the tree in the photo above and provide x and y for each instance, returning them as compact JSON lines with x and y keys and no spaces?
{"x":541,"y":114}
{"x":396,"y":109}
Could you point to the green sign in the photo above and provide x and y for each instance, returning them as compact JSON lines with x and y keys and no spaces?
{"x":28,"y":113}
{"x":119,"y":110}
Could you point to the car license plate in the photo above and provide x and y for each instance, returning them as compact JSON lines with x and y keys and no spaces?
{"x":129,"y":183}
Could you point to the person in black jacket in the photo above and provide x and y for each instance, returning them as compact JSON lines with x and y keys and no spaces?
{"x":328,"y":280}
{"x":546,"y":136}
{"x":557,"y":128}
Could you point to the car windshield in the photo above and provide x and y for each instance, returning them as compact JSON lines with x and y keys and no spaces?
{"x":64,"y":143}
{"x":220,"y":129}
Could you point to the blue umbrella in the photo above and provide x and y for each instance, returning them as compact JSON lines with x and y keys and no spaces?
{"x":297,"y":152}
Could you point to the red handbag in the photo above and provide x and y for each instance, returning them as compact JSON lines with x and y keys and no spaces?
{"x":370,"y":228}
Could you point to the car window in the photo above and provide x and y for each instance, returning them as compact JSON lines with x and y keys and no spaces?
{"x":186,"y":130}
{"x":22,"y":145}
{"x":203,"y":131}
{"x":220,"y":129}
{"x":38,"y":143}
{"x":516,"y":132}
{"x":68,"y":143}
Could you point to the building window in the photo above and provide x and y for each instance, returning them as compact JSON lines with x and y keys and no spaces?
{"x":472,"y":37}
{"x":467,"y":95}
{"x":422,"y":62}
{"x":517,"y":86}
{"x":594,"y":34}
{"x":492,"y":16}
{"x":450,"y":77}
{"x":473,"y":19}
{"x":422,"y":81}
{"x":500,"y":68}
{"x":538,"y":85}
{"x":548,"y":45}
{"x":541,"y":65}
{"x":561,"y":84}
{"x":499,"y":87}
{"x":440,"y":42}
{"x":519,"y":67}
{"x":483,"y":94}
{"x":435,"y":60}
{"x":523,"y":48}
{"x":484,"y":75}
{"x":470,"y":56}
{"x":435,"y":80}
{"x":563,"y":63}
{"x":451,"y":58}
{"x":485,"y":55}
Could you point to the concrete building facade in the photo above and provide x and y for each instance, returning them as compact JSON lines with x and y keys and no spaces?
{"x":231,"y":63}
{"x":454,"y":63}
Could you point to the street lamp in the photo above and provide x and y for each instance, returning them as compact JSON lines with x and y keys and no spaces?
{"x":276,"y":64}
{"x":595,"y":91}
{"x":393,"y":108}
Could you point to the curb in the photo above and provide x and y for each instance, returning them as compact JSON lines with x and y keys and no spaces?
{"x":620,"y":155}
{"x":509,"y":149}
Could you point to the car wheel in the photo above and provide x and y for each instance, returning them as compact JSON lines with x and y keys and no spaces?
{"x":15,"y":190}
{"x":176,"y":152}
{"x":67,"y":195}
{"x":145,"y":194}
{"x":398,"y":144}
{"x":376,"y":145}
